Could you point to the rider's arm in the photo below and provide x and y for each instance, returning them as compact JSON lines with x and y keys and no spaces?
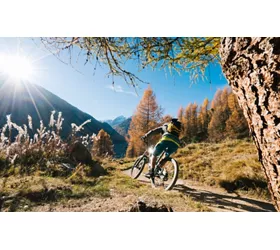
{"x":154,"y":131}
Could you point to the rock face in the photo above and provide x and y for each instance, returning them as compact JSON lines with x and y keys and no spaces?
{"x":79,"y":153}
{"x":143,"y":207}
{"x":252,"y":67}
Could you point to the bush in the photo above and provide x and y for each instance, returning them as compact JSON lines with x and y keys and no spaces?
{"x":25,"y":150}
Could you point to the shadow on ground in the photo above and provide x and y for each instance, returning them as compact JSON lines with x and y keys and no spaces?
{"x":222,"y":202}
{"x":226,"y":202}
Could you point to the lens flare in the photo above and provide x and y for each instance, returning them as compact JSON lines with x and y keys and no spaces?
{"x":16,"y":67}
{"x":150,"y":150}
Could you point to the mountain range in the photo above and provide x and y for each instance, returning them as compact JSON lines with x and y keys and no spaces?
{"x":122,"y":128}
{"x":21,"y":100}
{"x":120,"y":124}
{"x":116,"y":121}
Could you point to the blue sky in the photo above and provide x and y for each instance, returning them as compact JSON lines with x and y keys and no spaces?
{"x":94,"y":93}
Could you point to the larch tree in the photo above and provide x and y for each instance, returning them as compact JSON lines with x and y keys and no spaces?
{"x":166,"y":119}
{"x":203,"y":120}
{"x":102,"y":145}
{"x":193,"y":122}
{"x":180,"y":114}
{"x":220,"y":114}
{"x":236,"y":125}
{"x":251,"y":66}
{"x":190,"y":123}
{"x":147,"y":116}
{"x":187,"y":123}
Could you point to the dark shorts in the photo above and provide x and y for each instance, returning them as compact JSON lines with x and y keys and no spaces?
{"x":162,"y":145}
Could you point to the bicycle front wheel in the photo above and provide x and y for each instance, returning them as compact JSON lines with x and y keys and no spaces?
{"x":166,"y":176}
{"x":138,"y":166}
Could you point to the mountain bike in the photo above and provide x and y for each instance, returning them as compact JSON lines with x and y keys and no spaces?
{"x":165,"y":171}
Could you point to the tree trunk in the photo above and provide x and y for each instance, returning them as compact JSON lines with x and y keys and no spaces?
{"x":252,"y":67}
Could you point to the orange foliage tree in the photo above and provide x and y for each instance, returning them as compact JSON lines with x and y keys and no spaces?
{"x":190,"y":123}
{"x":236,"y":125}
{"x":221,"y":112}
{"x":203,"y":120}
{"x":147,"y":116}
{"x":166,"y":119}
{"x":103,"y":145}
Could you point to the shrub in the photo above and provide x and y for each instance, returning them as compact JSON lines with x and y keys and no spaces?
{"x":24,"y":149}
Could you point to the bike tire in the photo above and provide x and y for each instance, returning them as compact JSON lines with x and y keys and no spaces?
{"x":138,"y":166}
{"x":169,"y":185}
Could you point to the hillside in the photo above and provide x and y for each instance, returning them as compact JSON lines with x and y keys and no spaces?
{"x":30,"y":99}
{"x":232,"y":165}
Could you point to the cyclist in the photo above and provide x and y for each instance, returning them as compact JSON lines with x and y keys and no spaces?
{"x":169,"y":140}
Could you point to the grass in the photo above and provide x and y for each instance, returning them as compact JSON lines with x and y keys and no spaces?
{"x":29,"y":191}
{"x":233,"y":165}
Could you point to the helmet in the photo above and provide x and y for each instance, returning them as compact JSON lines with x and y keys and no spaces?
{"x":174,"y":126}
{"x":175,"y":120}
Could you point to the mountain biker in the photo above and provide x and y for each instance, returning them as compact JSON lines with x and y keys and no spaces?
{"x":169,"y":140}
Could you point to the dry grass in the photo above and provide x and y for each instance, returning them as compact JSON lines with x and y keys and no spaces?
{"x":29,"y":192}
{"x":233,"y":165}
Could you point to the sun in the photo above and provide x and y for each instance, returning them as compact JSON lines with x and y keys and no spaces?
{"x":16,"y":67}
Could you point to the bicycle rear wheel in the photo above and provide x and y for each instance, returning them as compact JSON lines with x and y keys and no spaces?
{"x":138,"y":166}
{"x":166,"y":176}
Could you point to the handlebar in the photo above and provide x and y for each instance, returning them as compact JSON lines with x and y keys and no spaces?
{"x":144,"y":139}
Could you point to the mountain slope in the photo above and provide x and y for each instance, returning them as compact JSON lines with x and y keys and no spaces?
{"x":30,"y":99}
{"x":123,"y":127}
{"x":116,"y":121}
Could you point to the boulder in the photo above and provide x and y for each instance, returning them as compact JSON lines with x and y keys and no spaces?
{"x":97,"y":169}
{"x":80,"y":154}
{"x":141,"y":206}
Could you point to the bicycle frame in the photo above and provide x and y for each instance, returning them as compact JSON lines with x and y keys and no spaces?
{"x":159,"y":158}
{"x":161,"y":174}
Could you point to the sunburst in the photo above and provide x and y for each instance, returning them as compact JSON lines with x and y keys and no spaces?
{"x":19,"y":68}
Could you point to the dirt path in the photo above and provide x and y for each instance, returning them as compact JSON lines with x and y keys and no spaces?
{"x":217,"y":198}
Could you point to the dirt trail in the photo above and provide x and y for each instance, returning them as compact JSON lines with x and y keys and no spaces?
{"x":217,"y":198}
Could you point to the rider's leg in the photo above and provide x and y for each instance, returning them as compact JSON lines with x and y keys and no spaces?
{"x":162,"y":145}
{"x":157,"y":151}
{"x":153,"y":161}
